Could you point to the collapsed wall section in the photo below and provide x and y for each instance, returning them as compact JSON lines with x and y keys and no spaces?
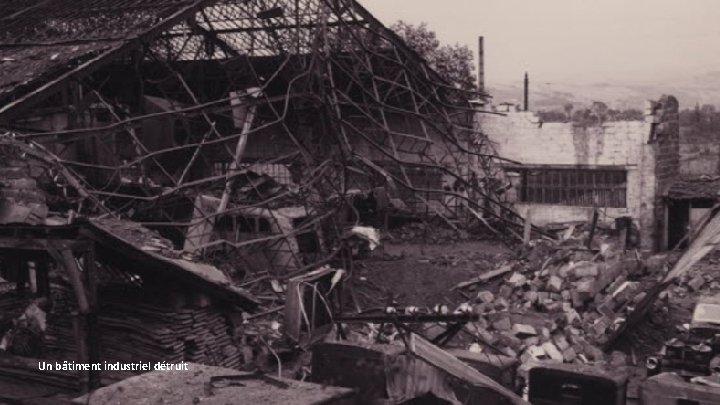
{"x":563,"y":172}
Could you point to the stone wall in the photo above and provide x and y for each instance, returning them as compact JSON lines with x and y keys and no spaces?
{"x":21,"y":200}
{"x":665,"y":139}
{"x":648,"y":150}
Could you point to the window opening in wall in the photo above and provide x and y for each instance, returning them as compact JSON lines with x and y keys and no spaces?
{"x":575,"y":187}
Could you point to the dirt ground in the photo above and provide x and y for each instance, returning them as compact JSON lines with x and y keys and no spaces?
{"x":422,"y":275}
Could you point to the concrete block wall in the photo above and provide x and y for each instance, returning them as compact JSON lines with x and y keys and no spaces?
{"x":521,"y":137}
{"x":648,"y":150}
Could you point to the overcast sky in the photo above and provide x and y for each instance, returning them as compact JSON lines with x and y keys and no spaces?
{"x":579,"y":41}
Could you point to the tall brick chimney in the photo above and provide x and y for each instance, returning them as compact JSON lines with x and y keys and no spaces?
{"x":525,"y":93}
{"x":481,"y":64}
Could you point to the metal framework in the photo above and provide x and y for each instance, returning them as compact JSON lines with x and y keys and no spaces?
{"x":243,"y":127}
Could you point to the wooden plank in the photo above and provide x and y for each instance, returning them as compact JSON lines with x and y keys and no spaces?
{"x":527,"y":230}
{"x":67,"y":260}
{"x":456,"y":368}
{"x":199,"y":233}
{"x":93,"y":338}
{"x":593,"y":226}
{"x":174,"y":269}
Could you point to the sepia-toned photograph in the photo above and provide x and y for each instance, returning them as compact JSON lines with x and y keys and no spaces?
{"x":350,"y":202}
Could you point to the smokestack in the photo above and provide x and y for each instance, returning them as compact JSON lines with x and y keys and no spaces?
{"x":481,"y":64}
{"x":525,"y":98}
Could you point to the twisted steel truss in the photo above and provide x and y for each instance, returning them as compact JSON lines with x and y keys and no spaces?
{"x":249,"y":128}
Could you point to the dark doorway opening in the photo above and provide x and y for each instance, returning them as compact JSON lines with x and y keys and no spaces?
{"x":678,"y":223}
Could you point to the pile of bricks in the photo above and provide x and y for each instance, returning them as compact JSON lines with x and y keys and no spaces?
{"x":21,"y":201}
{"x":560,"y":302}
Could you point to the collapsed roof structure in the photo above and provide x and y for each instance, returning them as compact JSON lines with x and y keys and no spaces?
{"x":247,"y":133}
{"x":150,"y":110}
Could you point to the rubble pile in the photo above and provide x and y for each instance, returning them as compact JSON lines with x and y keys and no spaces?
{"x":703,"y":278}
{"x":561,"y":301}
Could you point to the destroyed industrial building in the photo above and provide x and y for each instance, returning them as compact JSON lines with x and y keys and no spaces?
{"x":565,"y":170}
{"x":194,"y":182}
{"x":244,"y":134}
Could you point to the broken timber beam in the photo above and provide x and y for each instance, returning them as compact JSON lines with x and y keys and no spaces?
{"x":66,"y":259}
{"x":407,"y":318}
{"x":485,"y":277}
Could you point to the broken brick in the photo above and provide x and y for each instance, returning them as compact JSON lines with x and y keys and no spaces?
{"x":509,"y":352}
{"x":531,"y":296}
{"x":545,"y":333}
{"x":593,"y":353}
{"x":485,"y":297}
{"x":509,"y":340}
{"x":607,"y":308}
{"x":536,"y":352}
{"x":585,"y":269}
{"x":639,"y":297}
{"x":522,"y":330}
{"x":503,"y":324}
{"x":696,"y":283}
{"x":501,"y":304}
{"x":561,"y":343}
{"x":566,"y":295}
{"x":553,"y":306}
{"x":531,"y":341}
{"x":586,"y":287}
{"x":555,"y":284}
{"x":552,"y":351}
{"x":517,"y":280}
{"x":505,"y":291}
{"x":486,"y":336}
{"x":601,"y":325}
{"x":569,"y":354}
{"x":572,"y":317}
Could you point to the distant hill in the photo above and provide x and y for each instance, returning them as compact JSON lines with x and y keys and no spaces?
{"x":701,"y":88}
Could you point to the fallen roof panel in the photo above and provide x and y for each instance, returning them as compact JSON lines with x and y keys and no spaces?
{"x":205,"y":277}
{"x":90,"y":33}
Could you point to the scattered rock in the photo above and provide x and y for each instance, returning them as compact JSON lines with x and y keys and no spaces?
{"x":552,"y":352}
{"x":555,"y":284}
{"x":523,"y":331}
{"x":696,"y":283}
{"x":503,"y":324}
{"x":485,"y":297}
